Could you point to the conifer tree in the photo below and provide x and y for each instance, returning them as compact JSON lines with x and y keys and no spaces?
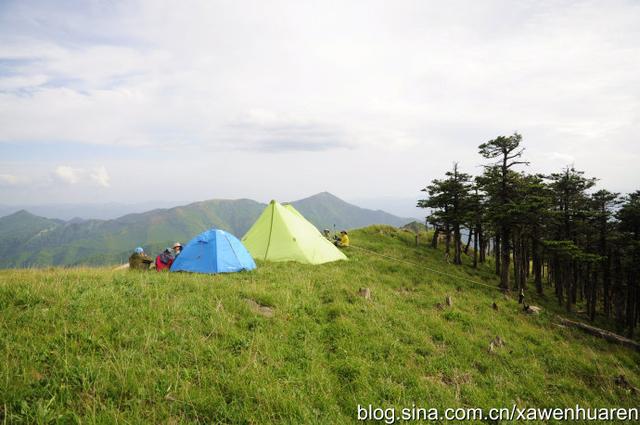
{"x":448,"y":200}
{"x":499,"y":182}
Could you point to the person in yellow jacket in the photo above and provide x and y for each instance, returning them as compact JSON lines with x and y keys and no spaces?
{"x":344,"y":239}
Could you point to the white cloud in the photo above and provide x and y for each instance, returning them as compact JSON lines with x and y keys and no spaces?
{"x":100,"y":176}
{"x":73,"y":175}
{"x":418,"y":83}
{"x":381,"y":82}
{"x":8,"y":179}
{"x":68,"y":174}
{"x":562,"y":157}
{"x":19,"y":82}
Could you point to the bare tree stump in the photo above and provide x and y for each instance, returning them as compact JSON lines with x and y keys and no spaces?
{"x":496,"y":343}
{"x":622,"y":382}
{"x":521,"y":297}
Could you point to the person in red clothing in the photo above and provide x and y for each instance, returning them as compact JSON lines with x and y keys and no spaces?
{"x":164,"y":260}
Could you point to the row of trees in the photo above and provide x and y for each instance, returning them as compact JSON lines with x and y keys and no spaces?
{"x":549,"y":230}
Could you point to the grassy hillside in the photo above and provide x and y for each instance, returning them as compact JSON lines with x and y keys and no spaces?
{"x":27,"y":240}
{"x":18,"y":229}
{"x":287,"y":343}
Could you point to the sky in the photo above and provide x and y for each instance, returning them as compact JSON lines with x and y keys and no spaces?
{"x":132,"y":101}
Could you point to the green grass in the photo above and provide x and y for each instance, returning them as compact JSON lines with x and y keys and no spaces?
{"x":100,"y":346}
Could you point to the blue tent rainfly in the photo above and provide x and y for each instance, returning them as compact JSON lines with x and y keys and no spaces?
{"x":214,"y":251}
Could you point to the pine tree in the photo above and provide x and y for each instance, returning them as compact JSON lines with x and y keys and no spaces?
{"x":448,"y":200}
{"x":499,"y":182}
{"x":569,"y":233}
{"x":629,"y":300}
{"x":604,"y":203}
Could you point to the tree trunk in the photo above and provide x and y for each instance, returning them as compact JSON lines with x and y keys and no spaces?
{"x":496,"y":253}
{"x":527,"y":258}
{"x":515,"y":243}
{"x":505,"y":258}
{"x":524,"y":255}
{"x":457,"y":259}
{"x":447,"y":240}
{"x":434,"y":239}
{"x":617,"y":297}
{"x":574,"y":282}
{"x":557,"y":275}
{"x":482,"y":242}
{"x":609,"y":336}
{"x":632,"y":288}
{"x":570,"y":287}
{"x":537,"y":263}
{"x":606,"y":284}
{"x":592,"y":280}
{"x":466,"y":247}
{"x":475,"y":249}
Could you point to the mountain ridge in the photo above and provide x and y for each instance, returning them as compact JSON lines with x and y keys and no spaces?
{"x":30,"y":240}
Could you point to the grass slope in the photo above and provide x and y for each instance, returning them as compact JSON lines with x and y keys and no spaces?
{"x":100,"y":346}
{"x":18,"y":229}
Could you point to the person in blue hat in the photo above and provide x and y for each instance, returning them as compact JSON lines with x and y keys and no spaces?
{"x":139,"y":260}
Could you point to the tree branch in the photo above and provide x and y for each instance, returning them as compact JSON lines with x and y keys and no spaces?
{"x":516,"y":163}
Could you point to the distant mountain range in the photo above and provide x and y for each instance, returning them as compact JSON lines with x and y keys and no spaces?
{"x":30,"y":240}
{"x":102,"y":211}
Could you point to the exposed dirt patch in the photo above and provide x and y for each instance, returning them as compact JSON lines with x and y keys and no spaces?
{"x":262,"y":310}
{"x":405,"y":291}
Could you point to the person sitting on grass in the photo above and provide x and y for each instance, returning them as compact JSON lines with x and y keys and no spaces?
{"x":139,"y":260}
{"x":164,"y":260}
{"x":343,"y":241}
{"x":177,"y":249}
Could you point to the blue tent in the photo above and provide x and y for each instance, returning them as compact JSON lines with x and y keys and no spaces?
{"x":214,"y":251}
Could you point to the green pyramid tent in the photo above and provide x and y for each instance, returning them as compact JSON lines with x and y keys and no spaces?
{"x":281,"y":233}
